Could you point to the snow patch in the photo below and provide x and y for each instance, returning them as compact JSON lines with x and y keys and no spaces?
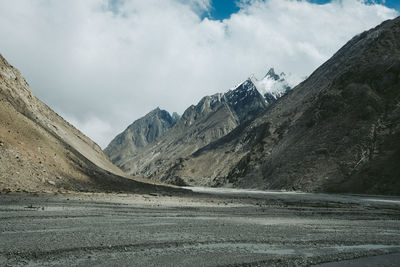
{"x":275,"y":85}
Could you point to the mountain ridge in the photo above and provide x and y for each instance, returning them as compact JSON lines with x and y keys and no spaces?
{"x":140,"y":133}
{"x":213,"y":116}
{"x":317,"y":137}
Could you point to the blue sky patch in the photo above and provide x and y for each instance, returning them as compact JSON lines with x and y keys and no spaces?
{"x":223,"y":9}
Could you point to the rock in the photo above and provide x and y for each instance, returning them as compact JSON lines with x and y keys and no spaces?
{"x":7,"y":190}
{"x":51,"y":182}
{"x":141,"y":133}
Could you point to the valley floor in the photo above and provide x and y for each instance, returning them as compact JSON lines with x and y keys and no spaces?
{"x":214,"y":227}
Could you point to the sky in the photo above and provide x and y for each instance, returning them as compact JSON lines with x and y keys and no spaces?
{"x":101,"y":64}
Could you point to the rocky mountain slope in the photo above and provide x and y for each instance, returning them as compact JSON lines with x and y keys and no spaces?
{"x":338,"y":131}
{"x":213,"y":117}
{"x":140,"y":133}
{"x":39,"y":150}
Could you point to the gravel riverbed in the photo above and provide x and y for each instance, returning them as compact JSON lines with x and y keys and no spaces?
{"x":212,"y":227}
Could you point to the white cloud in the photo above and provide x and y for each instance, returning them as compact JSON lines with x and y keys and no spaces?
{"x":199,"y":6}
{"x":92,"y":126}
{"x":106,"y":65}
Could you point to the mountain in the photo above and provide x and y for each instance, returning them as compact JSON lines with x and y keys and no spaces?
{"x":40,"y":151}
{"x":140,"y":133}
{"x":213,"y":117}
{"x":273,"y":86}
{"x":338,"y":131}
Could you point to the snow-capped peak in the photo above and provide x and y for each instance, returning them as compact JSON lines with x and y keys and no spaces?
{"x":274,"y":85}
{"x":272,"y":75}
{"x":248,"y":84}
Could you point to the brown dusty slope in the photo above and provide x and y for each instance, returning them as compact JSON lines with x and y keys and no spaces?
{"x":39,"y":150}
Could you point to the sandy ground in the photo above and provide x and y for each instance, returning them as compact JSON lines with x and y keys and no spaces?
{"x":215,"y":227}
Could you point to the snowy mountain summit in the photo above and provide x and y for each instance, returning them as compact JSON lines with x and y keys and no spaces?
{"x":273,"y":85}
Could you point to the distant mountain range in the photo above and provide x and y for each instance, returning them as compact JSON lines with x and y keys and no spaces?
{"x":157,"y":140}
{"x":338,"y":131}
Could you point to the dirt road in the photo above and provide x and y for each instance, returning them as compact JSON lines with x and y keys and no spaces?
{"x":220,"y":227}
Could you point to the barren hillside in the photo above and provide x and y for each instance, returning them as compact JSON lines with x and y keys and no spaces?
{"x":39,"y":150}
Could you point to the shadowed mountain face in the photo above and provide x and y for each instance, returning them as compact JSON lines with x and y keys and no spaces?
{"x":338,"y":131}
{"x":213,"y":117}
{"x":39,"y":150}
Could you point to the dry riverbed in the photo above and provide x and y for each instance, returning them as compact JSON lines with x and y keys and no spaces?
{"x":214,"y":227}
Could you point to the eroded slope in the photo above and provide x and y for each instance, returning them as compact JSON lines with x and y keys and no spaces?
{"x":41,"y":151}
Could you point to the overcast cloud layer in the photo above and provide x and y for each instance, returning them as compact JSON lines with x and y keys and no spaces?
{"x":104,"y":64}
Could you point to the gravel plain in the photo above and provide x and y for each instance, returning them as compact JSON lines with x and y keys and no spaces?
{"x":212,"y":227}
